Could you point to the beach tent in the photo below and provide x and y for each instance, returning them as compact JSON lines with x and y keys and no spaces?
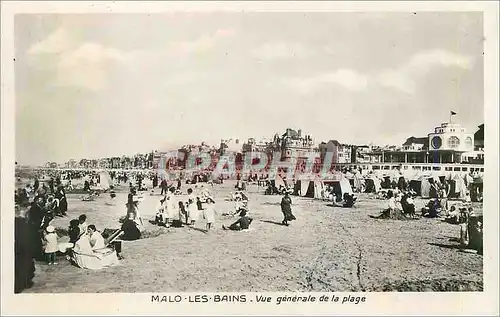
{"x":372,"y":184}
{"x":340,"y":186}
{"x":439,"y":176}
{"x":477,"y":189}
{"x":309,"y":188}
{"x":279,"y":181}
{"x":105,"y":180}
{"x":421,"y":184}
{"x":318,"y":188}
{"x":357,"y":182}
{"x":458,"y":188}
{"x":304,"y":188}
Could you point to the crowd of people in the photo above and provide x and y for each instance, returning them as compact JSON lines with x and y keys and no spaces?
{"x":39,"y":202}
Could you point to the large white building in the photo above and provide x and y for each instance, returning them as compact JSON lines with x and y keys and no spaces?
{"x":449,"y":142}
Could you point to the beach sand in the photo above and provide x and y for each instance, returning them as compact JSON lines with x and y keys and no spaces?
{"x":325,"y":249}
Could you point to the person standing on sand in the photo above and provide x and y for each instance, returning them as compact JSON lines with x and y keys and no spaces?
{"x":24,"y":266}
{"x":50,"y":239}
{"x":209,"y":213}
{"x":192,"y":208}
{"x":164,"y":187}
{"x":61,"y":196}
{"x":286,"y":209}
{"x":155,"y":181}
{"x":172,"y":208}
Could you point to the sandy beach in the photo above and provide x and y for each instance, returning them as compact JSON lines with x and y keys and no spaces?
{"x":325,"y":249}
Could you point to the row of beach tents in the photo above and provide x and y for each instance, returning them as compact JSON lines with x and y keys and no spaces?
{"x":420,"y":183}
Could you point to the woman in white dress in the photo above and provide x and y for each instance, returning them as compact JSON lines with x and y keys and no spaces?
{"x":192,"y":208}
{"x":172,"y":208}
{"x":209,"y":213}
{"x":96,"y":239}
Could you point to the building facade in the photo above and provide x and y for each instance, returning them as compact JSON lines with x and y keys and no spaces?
{"x":294,"y":146}
{"x":340,"y":153}
{"x":449,"y":142}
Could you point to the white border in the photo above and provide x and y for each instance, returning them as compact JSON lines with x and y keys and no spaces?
{"x":485,"y":303}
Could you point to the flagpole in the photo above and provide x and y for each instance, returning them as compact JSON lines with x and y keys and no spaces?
{"x":450,"y":116}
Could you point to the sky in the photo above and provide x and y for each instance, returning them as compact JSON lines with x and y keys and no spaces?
{"x":100,"y":85}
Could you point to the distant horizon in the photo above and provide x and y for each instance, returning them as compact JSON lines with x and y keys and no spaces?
{"x":241,"y":142}
{"x":93,"y":86}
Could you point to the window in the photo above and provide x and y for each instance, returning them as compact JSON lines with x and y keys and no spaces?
{"x":453,"y":142}
{"x":456,"y":169}
{"x":436,"y":142}
{"x":482,"y":170}
{"x":464,"y":169}
{"x":436,"y":168}
{"x":386,"y":167}
{"x":448,"y":169}
{"x":468,"y":141}
{"x":375,"y":167}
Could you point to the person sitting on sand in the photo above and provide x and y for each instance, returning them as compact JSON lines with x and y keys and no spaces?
{"x":390,"y":207}
{"x":82,"y":219}
{"x":83,"y":245}
{"x":90,"y":196}
{"x":130,"y":229}
{"x":453,"y":215}
{"x":95,"y":237}
{"x":239,"y":206}
{"x":286,"y":209}
{"x":408,"y":205}
{"x":242,"y":223}
{"x":74,"y":231}
{"x":432,"y":209}
{"x":112,"y":199}
{"x":349,"y":200}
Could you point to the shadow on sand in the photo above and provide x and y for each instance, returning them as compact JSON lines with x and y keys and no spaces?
{"x":273,"y":222}
{"x":197,"y":229}
{"x":448,"y":246}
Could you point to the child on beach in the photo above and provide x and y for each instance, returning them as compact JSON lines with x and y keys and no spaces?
{"x":50,"y":239}
{"x":209,"y":213}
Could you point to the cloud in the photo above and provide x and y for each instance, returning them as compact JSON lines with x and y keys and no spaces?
{"x":279,"y":50}
{"x":346,"y":78}
{"x":202,"y":44}
{"x":404,"y":79}
{"x":421,"y":64}
{"x":426,"y":60}
{"x":55,"y":43}
{"x":398,"y":80}
{"x":86,"y":66}
{"x":83,"y":65}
